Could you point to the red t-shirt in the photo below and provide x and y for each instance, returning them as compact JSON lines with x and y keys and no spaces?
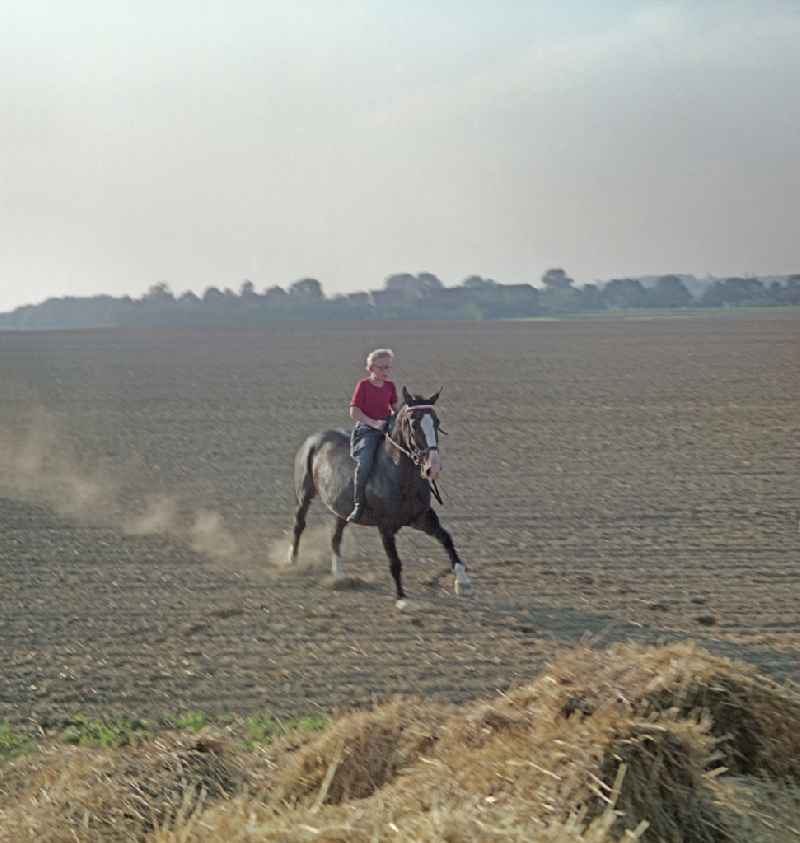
{"x":374,"y":401}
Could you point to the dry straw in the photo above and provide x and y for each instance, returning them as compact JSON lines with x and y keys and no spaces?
{"x":604,"y":746}
{"x":80,"y":793}
{"x":359,"y":754}
{"x":756,"y":720}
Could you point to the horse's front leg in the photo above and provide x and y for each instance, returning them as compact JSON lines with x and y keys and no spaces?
{"x":429,"y":524}
{"x":395,"y":565}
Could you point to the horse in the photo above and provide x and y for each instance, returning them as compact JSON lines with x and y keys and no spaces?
{"x":398,"y":492}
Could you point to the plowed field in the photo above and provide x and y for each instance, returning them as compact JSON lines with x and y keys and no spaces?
{"x":617,"y":479}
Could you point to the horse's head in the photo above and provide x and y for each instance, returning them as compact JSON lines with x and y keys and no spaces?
{"x":416,"y":430}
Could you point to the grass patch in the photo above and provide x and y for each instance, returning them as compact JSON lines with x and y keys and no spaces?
{"x":12,"y":743}
{"x":192,"y":721}
{"x":264,"y":728}
{"x":83,"y":731}
{"x":251,"y":731}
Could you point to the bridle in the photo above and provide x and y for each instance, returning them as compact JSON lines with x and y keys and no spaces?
{"x":416,"y":455}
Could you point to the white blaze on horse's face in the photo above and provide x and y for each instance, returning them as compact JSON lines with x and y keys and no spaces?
{"x":429,"y":429}
{"x":433,"y":463}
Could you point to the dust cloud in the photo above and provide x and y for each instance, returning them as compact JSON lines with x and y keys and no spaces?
{"x":160,"y":515}
{"x":314,"y":553}
{"x":39,"y":465}
{"x":209,"y":535}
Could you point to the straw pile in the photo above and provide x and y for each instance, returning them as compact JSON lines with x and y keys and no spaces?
{"x":78,"y":793}
{"x":604,"y":746}
{"x":359,"y":754}
{"x":756,"y":720}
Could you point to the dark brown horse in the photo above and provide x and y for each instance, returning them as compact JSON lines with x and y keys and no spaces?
{"x":398,"y":492}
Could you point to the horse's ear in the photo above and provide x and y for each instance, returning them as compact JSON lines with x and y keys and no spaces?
{"x":435,"y":397}
{"x":406,"y":395}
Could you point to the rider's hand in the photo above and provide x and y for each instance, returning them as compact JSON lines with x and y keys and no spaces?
{"x":381,"y":425}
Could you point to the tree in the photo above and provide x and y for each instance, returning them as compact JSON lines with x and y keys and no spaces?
{"x":413,"y":287}
{"x":476,"y":282}
{"x":792,"y":290}
{"x":159,"y":293}
{"x":713,"y":295}
{"x":669,"y":291}
{"x":400,"y":281}
{"x":247,"y":291}
{"x":557,"y":279}
{"x":624,"y":292}
{"x":429,"y":281}
{"x":590,"y":297}
{"x":306,"y":290}
{"x":734,"y":291}
{"x":559,"y":295}
{"x":212,"y":295}
{"x":275,"y":293}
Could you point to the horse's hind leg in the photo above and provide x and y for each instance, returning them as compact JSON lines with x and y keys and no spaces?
{"x":299,"y":523}
{"x":395,"y":565}
{"x":429,"y":524}
{"x":336,"y":547}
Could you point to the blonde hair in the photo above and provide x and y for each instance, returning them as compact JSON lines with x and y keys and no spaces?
{"x":378,"y":354}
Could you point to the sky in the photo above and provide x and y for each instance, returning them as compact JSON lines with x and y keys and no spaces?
{"x":203,"y":143}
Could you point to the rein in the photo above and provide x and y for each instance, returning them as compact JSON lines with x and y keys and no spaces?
{"x":416,"y":459}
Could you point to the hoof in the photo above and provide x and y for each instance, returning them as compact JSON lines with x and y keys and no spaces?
{"x":403,"y":605}
{"x":462,"y":584}
{"x":462,"y":589}
{"x":291,"y":556}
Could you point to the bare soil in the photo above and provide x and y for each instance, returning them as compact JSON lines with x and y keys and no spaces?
{"x":610,"y":479}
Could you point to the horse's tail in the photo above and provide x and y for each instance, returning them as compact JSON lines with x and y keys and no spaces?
{"x":304,"y":469}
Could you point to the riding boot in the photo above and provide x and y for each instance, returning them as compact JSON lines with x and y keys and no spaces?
{"x":359,"y":501}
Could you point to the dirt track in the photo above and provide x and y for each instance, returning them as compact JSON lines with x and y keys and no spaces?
{"x":616,"y":478}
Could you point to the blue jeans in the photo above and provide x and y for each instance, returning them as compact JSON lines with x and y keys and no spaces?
{"x":364,"y":443}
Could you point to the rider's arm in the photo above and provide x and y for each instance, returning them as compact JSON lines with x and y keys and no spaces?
{"x":359,"y":416}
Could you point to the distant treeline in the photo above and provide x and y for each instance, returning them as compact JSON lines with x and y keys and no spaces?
{"x":403,"y":296}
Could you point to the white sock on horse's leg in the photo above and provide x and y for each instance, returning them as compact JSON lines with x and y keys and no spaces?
{"x":462,"y":582}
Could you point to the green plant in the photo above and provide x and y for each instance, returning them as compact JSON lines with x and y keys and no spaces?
{"x":13,"y":744}
{"x":85,"y":732}
{"x":194,"y":721}
{"x":264,"y":727}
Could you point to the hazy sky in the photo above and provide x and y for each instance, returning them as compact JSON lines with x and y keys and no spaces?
{"x":207,"y":142}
